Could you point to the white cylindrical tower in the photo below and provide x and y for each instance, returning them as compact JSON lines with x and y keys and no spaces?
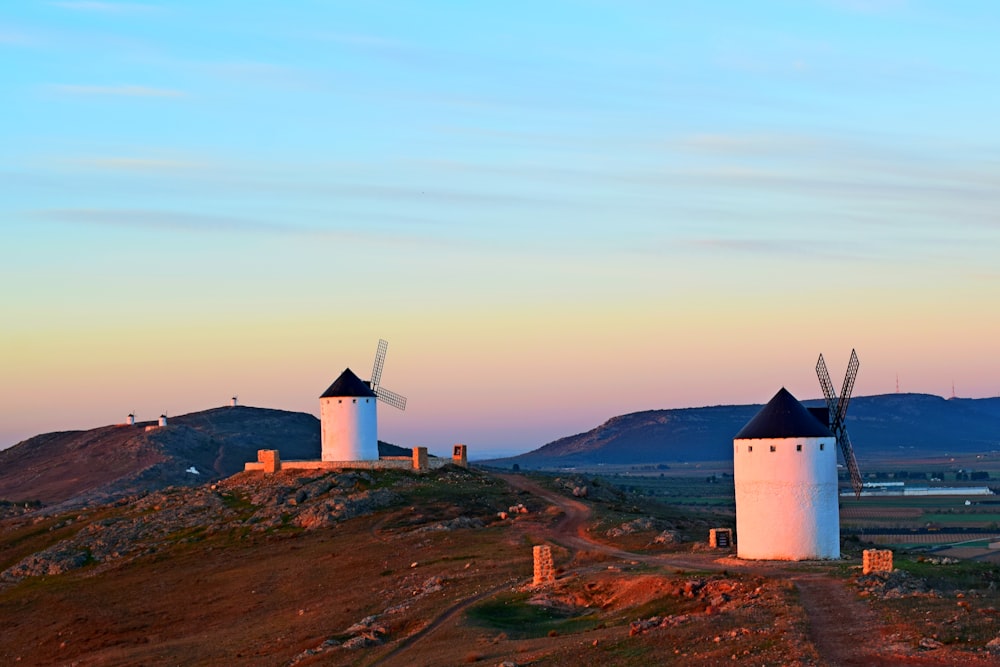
{"x":233,"y":401}
{"x":349,"y":422}
{"x":163,"y":420}
{"x":785,"y":471}
{"x":130,"y":420}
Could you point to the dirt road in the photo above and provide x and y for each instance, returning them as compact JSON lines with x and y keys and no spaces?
{"x":842,"y":627}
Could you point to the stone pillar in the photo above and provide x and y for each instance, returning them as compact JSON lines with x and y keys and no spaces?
{"x":720,"y":538}
{"x":876,"y":560}
{"x":270,"y":459}
{"x":460,"y":456}
{"x":420,"y":458}
{"x":544,"y":571}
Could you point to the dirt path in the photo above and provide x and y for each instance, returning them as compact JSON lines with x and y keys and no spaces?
{"x":842,"y":627}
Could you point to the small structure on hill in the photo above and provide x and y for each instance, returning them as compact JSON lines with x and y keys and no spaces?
{"x":130,"y":420}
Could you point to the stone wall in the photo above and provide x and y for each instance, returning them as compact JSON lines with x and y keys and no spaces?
{"x":393,"y":462}
{"x":876,"y":560}
{"x":460,"y":456}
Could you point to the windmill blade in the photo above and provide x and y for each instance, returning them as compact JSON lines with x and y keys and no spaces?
{"x":827,"y":385}
{"x":847,"y":449}
{"x":845,"y":394}
{"x":379,"y":362}
{"x":393,"y":399}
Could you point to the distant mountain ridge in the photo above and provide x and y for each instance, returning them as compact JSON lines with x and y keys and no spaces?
{"x":879,"y":425}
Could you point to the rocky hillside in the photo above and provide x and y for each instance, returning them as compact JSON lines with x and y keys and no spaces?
{"x":111,"y":461}
{"x":904,"y":424}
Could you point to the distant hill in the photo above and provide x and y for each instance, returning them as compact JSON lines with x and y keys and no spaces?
{"x":888,"y":424}
{"x":111,"y":461}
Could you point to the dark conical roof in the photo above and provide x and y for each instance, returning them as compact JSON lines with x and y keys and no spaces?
{"x":783,"y":417}
{"x":348,"y":384}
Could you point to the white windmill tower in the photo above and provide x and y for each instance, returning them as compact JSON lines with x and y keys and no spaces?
{"x":348,"y":413}
{"x":785,"y":473}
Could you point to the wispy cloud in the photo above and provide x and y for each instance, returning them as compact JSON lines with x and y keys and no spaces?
{"x":119,"y":91}
{"x":183,"y":222}
{"x":105,"y":7}
{"x":134,"y":164}
{"x":166,"y":220}
{"x":869,"y":6}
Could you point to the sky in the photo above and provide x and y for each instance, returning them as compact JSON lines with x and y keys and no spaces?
{"x":555,"y":212}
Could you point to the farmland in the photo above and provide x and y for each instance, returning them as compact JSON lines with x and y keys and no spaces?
{"x":955,"y":525}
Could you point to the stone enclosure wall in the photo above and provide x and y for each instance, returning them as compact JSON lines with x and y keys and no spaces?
{"x":269,"y":460}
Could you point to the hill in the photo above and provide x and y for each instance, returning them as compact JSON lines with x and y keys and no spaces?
{"x":308,"y":568}
{"x":883,"y":425}
{"x":110,"y":461}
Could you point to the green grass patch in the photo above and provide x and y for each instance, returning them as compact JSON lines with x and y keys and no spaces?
{"x":964,"y":575}
{"x":239,"y":502}
{"x":512,"y":614}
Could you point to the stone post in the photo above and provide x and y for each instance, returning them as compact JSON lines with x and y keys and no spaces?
{"x":270,"y":458}
{"x":720,"y":538}
{"x":876,"y":560}
{"x":420,"y":458}
{"x":544,"y":571}
{"x":460,"y":456}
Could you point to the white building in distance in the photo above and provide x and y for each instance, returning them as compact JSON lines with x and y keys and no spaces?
{"x":785,"y":472}
{"x":349,"y":420}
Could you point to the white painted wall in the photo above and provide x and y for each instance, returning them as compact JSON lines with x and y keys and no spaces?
{"x":163,"y":420}
{"x":786,"y":499}
{"x":350,"y":428}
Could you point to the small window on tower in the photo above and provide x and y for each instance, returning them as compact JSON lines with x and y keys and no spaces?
{"x":798,"y":448}
{"x":354,"y":400}
{"x":773,"y":448}
{"x":340,"y":400}
{"x":821,"y":446}
{"x":749,"y":448}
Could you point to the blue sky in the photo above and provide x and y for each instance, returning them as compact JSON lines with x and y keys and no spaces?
{"x":555,"y":211}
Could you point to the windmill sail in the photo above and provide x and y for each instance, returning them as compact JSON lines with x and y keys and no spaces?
{"x":838,"y":415}
{"x":384,"y":395}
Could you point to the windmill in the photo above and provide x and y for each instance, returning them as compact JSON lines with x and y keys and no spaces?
{"x":384,"y":395}
{"x":838,"y":413}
